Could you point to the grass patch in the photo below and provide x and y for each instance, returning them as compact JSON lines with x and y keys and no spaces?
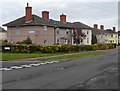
{"x":74,"y":56}
{"x":15,"y":56}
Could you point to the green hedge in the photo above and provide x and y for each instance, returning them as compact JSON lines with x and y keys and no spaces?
{"x":105,"y":46}
{"x":25,"y":48}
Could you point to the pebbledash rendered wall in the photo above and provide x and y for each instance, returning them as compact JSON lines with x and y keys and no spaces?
{"x":36,"y":33}
{"x":3,"y":35}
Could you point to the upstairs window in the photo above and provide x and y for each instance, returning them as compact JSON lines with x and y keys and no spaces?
{"x":31,"y":31}
{"x":57,"y":32}
{"x":87,"y":32}
{"x":17,"y":31}
{"x":67,"y":32}
{"x":45,"y":30}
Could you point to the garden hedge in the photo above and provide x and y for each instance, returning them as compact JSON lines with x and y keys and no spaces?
{"x":31,"y":48}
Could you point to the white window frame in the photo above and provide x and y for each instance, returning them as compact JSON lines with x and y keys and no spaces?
{"x":17,"y":31}
{"x":45,"y":30}
{"x":87,"y":40}
{"x":31,"y":31}
{"x":46,"y":42}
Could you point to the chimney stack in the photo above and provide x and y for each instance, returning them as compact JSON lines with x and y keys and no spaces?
{"x":95,"y":26}
{"x":63,"y":18}
{"x":114,"y":28}
{"x":45,"y":15}
{"x":101,"y":27}
{"x":28,"y":16}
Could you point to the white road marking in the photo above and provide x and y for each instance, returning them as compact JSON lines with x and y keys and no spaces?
{"x":3,"y":69}
{"x":15,"y":67}
{"x":43,"y":63}
{"x":60,"y":68}
{"x":34,"y":64}
{"x":28,"y":66}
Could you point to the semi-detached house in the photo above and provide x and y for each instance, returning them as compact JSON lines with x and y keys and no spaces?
{"x":45,"y":31}
{"x":105,"y":36}
{"x":3,"y":34}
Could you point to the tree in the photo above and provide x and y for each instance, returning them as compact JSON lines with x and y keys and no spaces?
{"x":94,"y":39}
{"x":78,"y":35}
{"x":27,"y":41}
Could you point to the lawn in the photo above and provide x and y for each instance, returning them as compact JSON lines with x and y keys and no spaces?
{"x":74,"y":56}
{"x":15,"y":56}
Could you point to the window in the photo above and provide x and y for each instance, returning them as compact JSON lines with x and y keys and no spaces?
{"x":87,"y":40}
{"x":87,"y":32}
{"x":58,"y":41}
{"x":57,"y":32}
{"x":74,"y":42}
{"x":111,"y":35}
{"x":67,"y":32}
{"x":45,"y":30}
{"x":17,"y":31}
{"x":66,"y":41}
{"x":31,"y":31}
{"x":45,"y":42}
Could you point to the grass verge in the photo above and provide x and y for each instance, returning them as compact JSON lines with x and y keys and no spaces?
{"x":15,"y":56}
{"x":73,"y":56}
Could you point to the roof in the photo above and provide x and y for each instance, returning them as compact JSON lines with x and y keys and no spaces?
{"x":61,"y":24}
{"x":80,"y":25}
{"x":36,"y":20}
{"x":2,"y":30}
{"x":110,"y":31}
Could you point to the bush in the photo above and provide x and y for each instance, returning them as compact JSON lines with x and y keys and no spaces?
{"x":105,"y":46}
{"x":94,"y":39}
{"x":30,"y":48}
{"x":27,"y":41}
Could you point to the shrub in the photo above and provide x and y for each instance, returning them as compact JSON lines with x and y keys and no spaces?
{"x":30,"y":48}
{"x":105,"y":46}
{"x":94,"y":39}
{"x":27,"y":41}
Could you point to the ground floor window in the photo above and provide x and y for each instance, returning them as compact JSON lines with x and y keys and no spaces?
{"x":45,"y":42}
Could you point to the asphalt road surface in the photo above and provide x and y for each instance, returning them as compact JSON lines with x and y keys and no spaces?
{"x":10,"y":64}
{"x":61,"y":75}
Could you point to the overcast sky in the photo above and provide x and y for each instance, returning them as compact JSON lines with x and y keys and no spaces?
{"x":101,"y":12}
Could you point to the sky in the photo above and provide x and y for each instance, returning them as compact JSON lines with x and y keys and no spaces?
{"x":101,"y":12}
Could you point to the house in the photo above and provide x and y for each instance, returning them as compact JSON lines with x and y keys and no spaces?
{"x":119,"y":38}
{"x":99,"y":33}
{"x":3,"y":34}
{"x":105,"y":36}
{"x":85,"y":34}
{"x":112,"y":35}
{"x":45,"y":31}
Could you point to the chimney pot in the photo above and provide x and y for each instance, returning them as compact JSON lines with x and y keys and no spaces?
{"x":27,"y":4}
{"x":95,"y":26}
{"x":101,"y":27}
{"x":45,"y":15}
{"x":114,"y":28}
{"x":28,"y":16}
{"x":63,"y":18}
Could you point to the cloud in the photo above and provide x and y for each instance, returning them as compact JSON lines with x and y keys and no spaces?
{"x":87,"y":12}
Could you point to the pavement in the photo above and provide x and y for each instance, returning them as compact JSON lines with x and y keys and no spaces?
{"x":59,"y":75}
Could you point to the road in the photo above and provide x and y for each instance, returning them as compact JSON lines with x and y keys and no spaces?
{"x":61,"y":75}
